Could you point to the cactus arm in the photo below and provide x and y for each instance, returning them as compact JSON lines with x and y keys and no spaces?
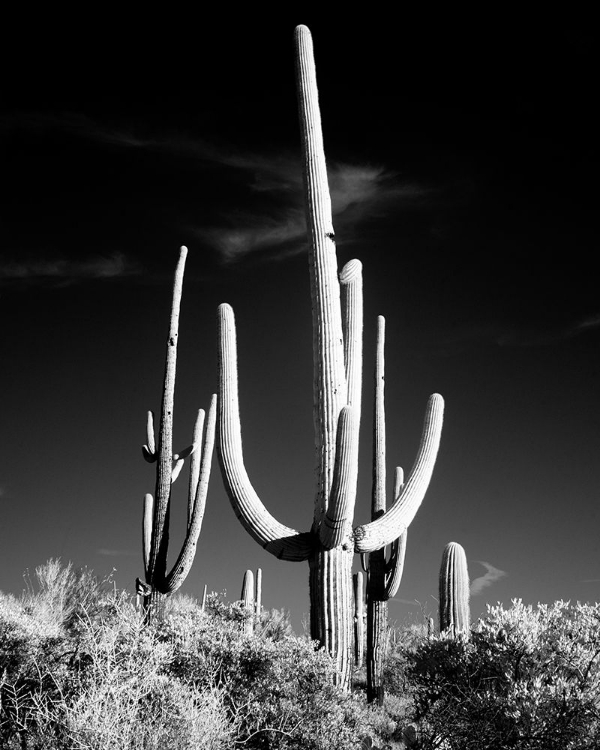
{"x":149,"y":450}
{"x":195,"y":464}
{"x":329,"y":384}
{"x":281,"y":541}
{"x":147,"y":532}
{"x":384,"y":530}
{"x":395,"y":566}
{"x":338,"y":517}
{"x":160,"y":535}
{"x":176,"y":470}
{"x":454,"y":590}
{"x":352,"y":324}
{"x":184,"y":562}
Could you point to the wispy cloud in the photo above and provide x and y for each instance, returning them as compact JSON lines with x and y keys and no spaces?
{"x":542,"y":335}
{"x":359,"y":192}
{"x":116,"y":552}
{"x":510,"y":335}
{"x":491,"y":576}
{"x":62,"y":272}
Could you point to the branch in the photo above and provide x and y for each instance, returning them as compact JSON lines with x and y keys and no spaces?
{"x":282,"y":541}
{"x":384,"y":530}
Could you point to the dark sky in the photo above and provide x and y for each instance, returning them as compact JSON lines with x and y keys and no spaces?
{"x":462,"y":157}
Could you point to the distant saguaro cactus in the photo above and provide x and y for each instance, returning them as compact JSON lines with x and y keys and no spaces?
{"x":455,"y":615}
{"x":248,"y":600}
{"x":158,"y":582}
{"x":337,"y":347}
{"x":384,"y":576}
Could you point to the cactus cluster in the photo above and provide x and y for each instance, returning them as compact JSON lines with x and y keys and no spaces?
{"x":331,"y":542}
{"x":155,"y":528}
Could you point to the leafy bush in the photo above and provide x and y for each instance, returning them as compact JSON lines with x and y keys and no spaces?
{"x":527,"y":678}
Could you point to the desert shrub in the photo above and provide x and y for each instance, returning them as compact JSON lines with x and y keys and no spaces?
{"x":527,"y":678}
{"x":80,"y":668}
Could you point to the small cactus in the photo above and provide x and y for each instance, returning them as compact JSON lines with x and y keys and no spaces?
{"x":251,"y":599}
{"x":455,"y":615}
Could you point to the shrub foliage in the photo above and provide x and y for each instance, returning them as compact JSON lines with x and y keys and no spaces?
{"x":81,"y":669}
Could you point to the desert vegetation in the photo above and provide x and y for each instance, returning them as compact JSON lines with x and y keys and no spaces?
{"x":83,"y":668}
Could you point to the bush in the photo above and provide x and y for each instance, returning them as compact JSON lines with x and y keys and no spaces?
{"x":527,"y":678}
{"x":80,"y":668}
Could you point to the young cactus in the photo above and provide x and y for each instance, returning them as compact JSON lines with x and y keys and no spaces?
{"x":385,"y":575}
{"x":159,"y":583}
{"x":455,"y":615}
{"x":251,"y":599}
{"x":331,"y":542}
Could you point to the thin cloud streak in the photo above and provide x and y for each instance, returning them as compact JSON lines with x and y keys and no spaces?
{"x":485,"y":581}
{"x":62,"y":273}
{"x":116,"y":552}
{"x":358,"y":192}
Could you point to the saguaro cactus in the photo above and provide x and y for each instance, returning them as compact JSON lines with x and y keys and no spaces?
{"x":158,"y":582}
{"x":337,"y":347}
{"x":252,"y":598}
{"x":384,"y":576}
{"x":455,"y":614}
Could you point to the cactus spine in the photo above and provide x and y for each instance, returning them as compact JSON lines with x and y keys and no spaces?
{"x":455,"y":615}
{"x":168,"y":467}
{"x":384,"y":576}
{"x":337,"y":349}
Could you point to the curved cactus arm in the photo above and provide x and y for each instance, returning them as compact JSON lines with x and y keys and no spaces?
{"x":393,"y":561}
{"x":182,"y":455}
{"x":184,"y":562}
{"x":352,"y":325}
{"x":147,"y":531}
{"x":281,"y":541}
{"x":384,"y":530}
{"x":395,"y":566}
{"x":176,"y":471}
{"x":149,"y":450}
{"x":337,"y":521}
{"x":329,"y":383}
{"x":160,"y":536}
{"x":195,"y":463}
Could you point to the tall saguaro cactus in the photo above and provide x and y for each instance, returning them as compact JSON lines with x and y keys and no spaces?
{"x":168,"y":467}
{"x":330,"y":544}
{"x":455,"y":615}
{"x":384,"y":575}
